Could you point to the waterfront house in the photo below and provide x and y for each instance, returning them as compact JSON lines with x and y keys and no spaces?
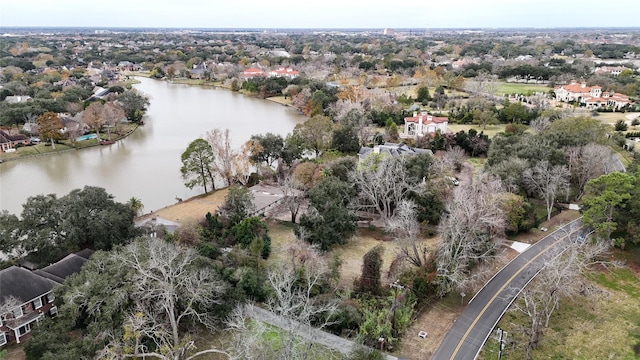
{"x":9,"y":142}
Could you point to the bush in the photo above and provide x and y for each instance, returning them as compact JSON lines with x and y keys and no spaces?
{"x":621,"y":125}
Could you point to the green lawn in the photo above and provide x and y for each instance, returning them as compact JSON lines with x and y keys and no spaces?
{"x":517,"y":88}
{"x":490,"y":130}
{"x":610,"y":118}
{"x":604,"y":325}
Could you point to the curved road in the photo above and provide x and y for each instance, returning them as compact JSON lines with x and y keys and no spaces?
{"x":473,"y":327}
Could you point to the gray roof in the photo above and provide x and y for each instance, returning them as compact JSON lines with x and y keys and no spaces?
{"x":153,"y":221}
{"x":85,"y":253}
{"x":393,"y":149}
{"x":22,"y":284}
{"x":264,"y":196}
{"x":62,"y":269}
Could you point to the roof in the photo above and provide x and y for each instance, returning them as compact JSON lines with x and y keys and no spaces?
{"x":17,"y":99}
{"x":85,"y":253}
{"x":264,"y":196}
{"x":170,"y":226}
{"x":7,"y":138}
{"x":576,"y":88}
{"x":426,"y":118}
{"x":22,"y":284}
{"x":393,"y":149}
{"x":62,"y":269}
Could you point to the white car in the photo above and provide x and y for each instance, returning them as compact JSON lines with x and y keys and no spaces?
{"x":453,"y":180}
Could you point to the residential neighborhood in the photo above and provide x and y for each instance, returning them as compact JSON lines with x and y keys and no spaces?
{"x":337,"y":193}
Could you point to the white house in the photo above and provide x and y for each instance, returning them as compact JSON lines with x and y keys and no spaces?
{"x":591,"y":96}
{"x":422,"y":124}
{"x":284,"y":72}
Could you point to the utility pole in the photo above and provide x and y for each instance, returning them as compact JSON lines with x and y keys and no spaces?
{"x":396,"y":286}
{"x":503,"y":339}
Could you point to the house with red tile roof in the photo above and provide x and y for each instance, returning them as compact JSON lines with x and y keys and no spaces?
{"x":284,"y":72}
{"x":253,"y":72}
{"x":591,"y":96}
{"x":421,"y":124}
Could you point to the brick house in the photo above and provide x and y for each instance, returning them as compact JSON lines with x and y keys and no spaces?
{"x":26,"y":297}
{"x":8,"y":141}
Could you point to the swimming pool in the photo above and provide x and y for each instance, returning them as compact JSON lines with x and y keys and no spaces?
{"x":86,"y":137}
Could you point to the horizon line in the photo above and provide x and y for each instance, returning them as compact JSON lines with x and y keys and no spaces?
{"x":308,"y":28}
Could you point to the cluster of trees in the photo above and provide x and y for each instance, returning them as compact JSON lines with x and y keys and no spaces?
{"x":50,"y":227}
{"x":610,"y":206}
{"x":554,"y":163}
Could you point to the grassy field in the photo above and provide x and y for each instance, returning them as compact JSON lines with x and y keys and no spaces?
{"x":517,"y":88}
{"x":604,"y":325}
{"x":490,"y":130}
{"x":610,"y":118}
{"x":195,"y":208}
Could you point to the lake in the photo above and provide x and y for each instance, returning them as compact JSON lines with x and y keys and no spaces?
{"x":146,"y":164}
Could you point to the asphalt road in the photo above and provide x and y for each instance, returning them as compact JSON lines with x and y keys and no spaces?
{"x":473,"y":327}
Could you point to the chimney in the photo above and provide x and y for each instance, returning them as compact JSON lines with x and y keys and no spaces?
{"x":415,"y":113}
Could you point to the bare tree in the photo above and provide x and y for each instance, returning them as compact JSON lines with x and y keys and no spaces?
{"x":111,"y":115}
{"x":451,"y":160}
{"x":588,"y":162}
{"x":223,"y":153}
{"x":92,"y":116}
{"x":293,"y":195}
{"x":405,"y":227}
{"x":169,"y":289}
{"x":560,"y":278}
{"x":294,"y":306}
{"x":539,"y":125}
{"x":470,"y":231}
{"x":547,"y":182}
{"x":382,"y":182}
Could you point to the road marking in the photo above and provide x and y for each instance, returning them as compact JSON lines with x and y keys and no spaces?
{"x":475,"y":321}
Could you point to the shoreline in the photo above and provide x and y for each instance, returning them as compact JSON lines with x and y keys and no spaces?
{"x":20,"y":157}
{"x":183,"y":81}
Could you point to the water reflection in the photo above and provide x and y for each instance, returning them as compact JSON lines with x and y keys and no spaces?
{"x":147,"y":163}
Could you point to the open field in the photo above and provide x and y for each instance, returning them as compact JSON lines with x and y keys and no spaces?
{"x":517,"y":88}
{"x":490,"y":130}
{"x":602,"y":325}
{"x":195,"y":208}
{"x":610,"y":117}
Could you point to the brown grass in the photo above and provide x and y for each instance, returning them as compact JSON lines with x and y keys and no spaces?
{"x":195,"y":208}
{"x":366,"y":239}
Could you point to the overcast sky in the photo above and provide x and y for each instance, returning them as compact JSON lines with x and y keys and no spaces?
{"x":281,"y":14}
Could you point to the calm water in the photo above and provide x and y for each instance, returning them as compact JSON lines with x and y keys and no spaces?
{"x":147,"y":163}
